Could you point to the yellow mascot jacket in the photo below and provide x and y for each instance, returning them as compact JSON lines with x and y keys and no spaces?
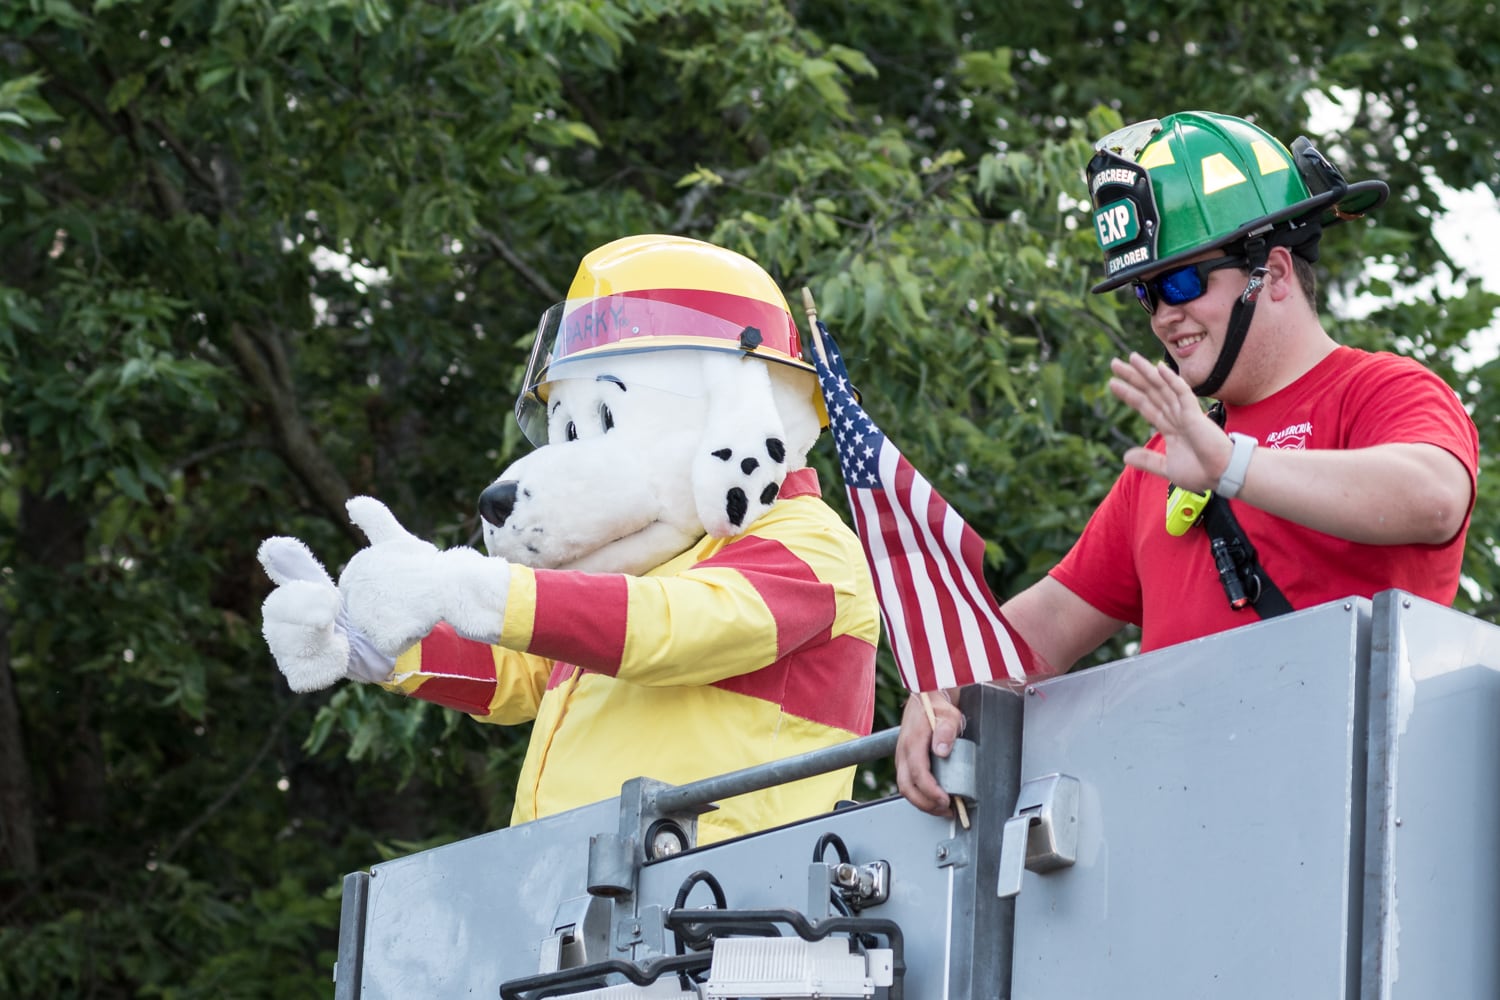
{"x":737,"y":652}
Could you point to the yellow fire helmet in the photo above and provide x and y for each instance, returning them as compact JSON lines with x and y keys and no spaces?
{"x":658,"y":293}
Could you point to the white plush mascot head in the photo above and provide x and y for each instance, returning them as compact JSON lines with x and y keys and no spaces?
{"x":668,"y":399}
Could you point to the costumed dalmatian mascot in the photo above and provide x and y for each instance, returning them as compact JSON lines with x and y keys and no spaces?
{"x":666,"y":595}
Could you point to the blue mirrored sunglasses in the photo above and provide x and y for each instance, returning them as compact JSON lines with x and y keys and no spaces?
{"x":1181,"y":284}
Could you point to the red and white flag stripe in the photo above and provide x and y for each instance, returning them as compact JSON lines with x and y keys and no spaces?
{"x":944,"y":625}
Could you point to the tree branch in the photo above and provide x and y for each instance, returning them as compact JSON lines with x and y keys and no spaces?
{"x":522,"y":268}
{"x":17,"y":821}
{"x":185,"y":157}
{"x":59,"y":80}
{"x":186,"y":833}
{"x":298,"y":446}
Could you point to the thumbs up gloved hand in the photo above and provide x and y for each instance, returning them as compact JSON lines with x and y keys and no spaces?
{"x":399,"y":587}
{"x":305,"y":624}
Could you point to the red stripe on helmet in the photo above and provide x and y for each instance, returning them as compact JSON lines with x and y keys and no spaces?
{"x":675,"y":312}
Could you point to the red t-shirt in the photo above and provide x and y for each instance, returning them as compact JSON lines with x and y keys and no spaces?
{"x":1126,"y":565}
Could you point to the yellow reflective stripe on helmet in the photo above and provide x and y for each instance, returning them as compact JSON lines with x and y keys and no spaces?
{"x":1219,"y":173}
{"x":1269,"y":157}
{"x":1158,"y":154}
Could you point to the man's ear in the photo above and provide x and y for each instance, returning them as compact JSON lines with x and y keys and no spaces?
{"x":742,"y":454}
{"x":1283,"y":273}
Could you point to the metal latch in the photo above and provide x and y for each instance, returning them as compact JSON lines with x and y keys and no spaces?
{"x":580,"y":934}
{"x":1043,"y":834}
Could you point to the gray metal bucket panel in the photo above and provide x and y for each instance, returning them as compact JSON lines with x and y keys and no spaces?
{"x":1432,"y":902}
{"x":1218,"y":782}
{"x":1308,"y":807}
{"x":457,"y":920}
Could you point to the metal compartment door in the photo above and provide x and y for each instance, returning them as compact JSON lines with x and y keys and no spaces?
{"x":1220,"y":818}
{"x":1432,"y":897}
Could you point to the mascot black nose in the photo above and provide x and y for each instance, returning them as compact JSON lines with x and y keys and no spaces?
{"x":497,"y":501}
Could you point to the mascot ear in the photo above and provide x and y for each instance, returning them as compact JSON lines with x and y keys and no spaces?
{"x":742,"y":455}
{"x":794,"y":391}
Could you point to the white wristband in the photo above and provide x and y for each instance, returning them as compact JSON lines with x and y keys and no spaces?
{"x":1239,"y":462}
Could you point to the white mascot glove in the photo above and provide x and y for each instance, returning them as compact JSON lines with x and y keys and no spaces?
{"x":399,"y":587}
{"x":305,"y":624}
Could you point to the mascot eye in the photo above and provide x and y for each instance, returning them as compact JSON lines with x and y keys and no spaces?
{"x":605,"y":417}
{"x":572,"y":432}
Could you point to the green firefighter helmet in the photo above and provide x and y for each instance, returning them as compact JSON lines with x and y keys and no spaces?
{"x":1167,"y":189}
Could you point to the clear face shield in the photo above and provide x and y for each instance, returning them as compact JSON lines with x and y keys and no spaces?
{"x":1130,"y":140}
{"x":584,"y":338}
{"x":531,"y":407}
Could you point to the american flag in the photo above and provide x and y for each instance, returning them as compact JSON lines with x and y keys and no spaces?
{"x":944,"y":626}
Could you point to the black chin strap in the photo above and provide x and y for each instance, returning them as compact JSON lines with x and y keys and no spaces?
{"x":1256,"y":253}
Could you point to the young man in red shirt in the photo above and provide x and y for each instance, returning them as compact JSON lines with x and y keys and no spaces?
{"x":1350,"y":472}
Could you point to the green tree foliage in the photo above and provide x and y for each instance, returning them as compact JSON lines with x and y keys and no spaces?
{"x":261,"y":255}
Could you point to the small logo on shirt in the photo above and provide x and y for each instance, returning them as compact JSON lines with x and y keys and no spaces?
{"x":1293,"y":438}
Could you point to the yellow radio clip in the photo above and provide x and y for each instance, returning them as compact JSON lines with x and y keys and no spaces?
{"x":1184,"y":507}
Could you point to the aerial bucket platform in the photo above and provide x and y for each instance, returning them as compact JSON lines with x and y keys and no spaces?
{"x":1304,"y":807}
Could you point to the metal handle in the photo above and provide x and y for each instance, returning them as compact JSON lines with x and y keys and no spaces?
{"x":1042,"y":835}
